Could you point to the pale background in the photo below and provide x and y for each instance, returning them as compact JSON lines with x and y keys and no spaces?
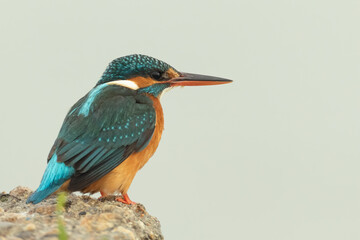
{"x":274,"y":155}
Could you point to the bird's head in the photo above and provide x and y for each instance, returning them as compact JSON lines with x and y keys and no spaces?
{"x":150,"y":75}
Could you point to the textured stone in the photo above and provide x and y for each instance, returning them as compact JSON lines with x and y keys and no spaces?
{"x":30,"y":227}
{"x":98,"y":222}
{"x":25,"y":235}
{"x":12,"y":217}
{"x":45,"y":210}
{"x":5,"y":227}
{"x":20,"y":192}
{"x":84,"y":218}
{"x":123,"y":233}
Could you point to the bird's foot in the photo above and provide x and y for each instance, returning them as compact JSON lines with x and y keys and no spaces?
{"x":103,"y":195}
{"x":125,"y":199}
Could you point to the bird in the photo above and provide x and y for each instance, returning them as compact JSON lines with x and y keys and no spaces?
{"x":111,"y":132}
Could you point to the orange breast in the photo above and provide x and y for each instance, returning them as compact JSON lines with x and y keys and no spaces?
{"x":120,"y":178}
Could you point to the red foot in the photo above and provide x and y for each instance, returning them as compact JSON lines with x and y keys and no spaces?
{"x":125,"y":199}
{"x":102,"y":195}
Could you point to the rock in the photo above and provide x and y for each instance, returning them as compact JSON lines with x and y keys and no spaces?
{"x":82,"y":213}
{"x":84,"y":218}
{"x":5,"y":227}
{"x":100,"y":222}
{"x":12,"y":217}
{"x":25,"y":235}
{"x":20,"y":192}
{"x":45,"y":210}
{"x":30,"y":227}
{"x":123,"y":233}
{"x":50,"y":235}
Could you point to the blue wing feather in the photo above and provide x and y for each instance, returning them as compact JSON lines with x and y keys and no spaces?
{"x":55,"y":175}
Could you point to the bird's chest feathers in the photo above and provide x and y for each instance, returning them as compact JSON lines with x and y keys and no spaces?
{"x":143,"y":156}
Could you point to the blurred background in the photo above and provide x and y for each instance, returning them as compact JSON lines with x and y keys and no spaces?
{"x":274,"y":155}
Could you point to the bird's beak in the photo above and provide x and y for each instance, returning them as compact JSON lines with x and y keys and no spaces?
{"x":190,"y":79}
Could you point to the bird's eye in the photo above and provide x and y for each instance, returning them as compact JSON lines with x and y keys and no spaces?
{"x":156,"y":75}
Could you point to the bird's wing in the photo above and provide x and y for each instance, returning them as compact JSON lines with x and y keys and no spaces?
{"x":96,"y":143}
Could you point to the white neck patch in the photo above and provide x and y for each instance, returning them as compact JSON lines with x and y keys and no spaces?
{"x":125,"y":83}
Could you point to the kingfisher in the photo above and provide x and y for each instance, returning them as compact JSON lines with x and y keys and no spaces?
{"x":110,"y":133}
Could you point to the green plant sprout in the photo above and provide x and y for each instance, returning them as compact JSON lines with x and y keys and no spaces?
{"x":60,"y":208}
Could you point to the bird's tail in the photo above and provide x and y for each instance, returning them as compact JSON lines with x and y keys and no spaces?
{"x":55,"y":175}
{"x":40,"y":195}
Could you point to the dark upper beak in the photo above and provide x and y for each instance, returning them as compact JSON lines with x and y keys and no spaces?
{"x":190,"y":79}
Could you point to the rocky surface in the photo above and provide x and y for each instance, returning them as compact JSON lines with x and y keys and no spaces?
{"x":84,"y":218}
